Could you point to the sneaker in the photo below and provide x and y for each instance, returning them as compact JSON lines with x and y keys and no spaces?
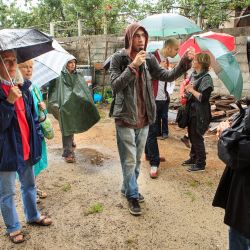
{"x":195,"y":168}
{"x":70,"y":159}
{"x":37,"y":199}
{"x":188,"y":162}
{"x":164,"y":136}
{"x":154,"y":172}
{"x":141,"y":197}
{"x":185,"y":140}
{"x":134,"y":207}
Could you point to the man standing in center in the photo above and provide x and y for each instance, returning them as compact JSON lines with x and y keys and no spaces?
{"x":162,"y":99}
{"x":132,"y":71}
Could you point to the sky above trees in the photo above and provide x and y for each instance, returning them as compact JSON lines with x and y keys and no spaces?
{"x":114,"y":14}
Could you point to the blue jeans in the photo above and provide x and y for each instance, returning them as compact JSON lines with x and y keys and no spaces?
{"x":238,"y":241}
{"x":131,"y":143}
{"x":7,"y":195}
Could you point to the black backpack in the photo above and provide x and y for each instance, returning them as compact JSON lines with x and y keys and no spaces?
{"x":234,"y":142}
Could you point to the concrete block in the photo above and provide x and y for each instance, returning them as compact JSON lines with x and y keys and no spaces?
{"x":241,"y":49}
{"x":241,"y":40}
{"x":245,"y":77}
{"x":244,"y":68}
{"x":245,"y":93}
{"x":241,"y":58}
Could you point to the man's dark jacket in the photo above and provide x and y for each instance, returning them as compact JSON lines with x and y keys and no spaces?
{"x":123,"y":82}
{"x":11,"y":149}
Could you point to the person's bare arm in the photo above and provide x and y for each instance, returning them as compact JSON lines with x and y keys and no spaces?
{"x":221,"y":127}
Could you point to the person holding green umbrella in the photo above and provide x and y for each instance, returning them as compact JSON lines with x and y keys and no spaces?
{"x":199,"y":111}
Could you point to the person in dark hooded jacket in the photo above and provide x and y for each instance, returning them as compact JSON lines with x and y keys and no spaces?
{"x":132,"y":71}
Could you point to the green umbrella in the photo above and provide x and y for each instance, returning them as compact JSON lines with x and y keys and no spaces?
{"x":167,"y":24}
{"x":224,"y":64}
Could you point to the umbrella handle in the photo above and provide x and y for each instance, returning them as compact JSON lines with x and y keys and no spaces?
{"x":240,"y":106}
{"x":43,"y":117}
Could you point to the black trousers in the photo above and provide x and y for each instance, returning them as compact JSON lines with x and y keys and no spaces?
{"x":197,"y":152}
{"x":162,"y":117}
{"x":151,"y":147}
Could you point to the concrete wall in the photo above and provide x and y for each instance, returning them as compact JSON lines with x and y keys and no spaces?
{"x":91,"y":50}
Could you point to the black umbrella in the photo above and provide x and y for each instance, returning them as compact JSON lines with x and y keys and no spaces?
{"x":28,"y":43}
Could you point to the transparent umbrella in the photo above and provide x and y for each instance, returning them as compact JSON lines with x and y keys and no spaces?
{"x":49,"y":65}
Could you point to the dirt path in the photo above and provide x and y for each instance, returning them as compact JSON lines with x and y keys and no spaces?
{"x":90,"y":213}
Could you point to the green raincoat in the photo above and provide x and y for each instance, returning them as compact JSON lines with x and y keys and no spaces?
{"x":70,"y":101}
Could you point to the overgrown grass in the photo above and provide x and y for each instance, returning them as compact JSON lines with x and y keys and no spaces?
{"x":101,"y":113}
{"x":66,"y":187}
{"x":95,"y":208}
{"x":191,"y":195}
{"x":194,"y":183}
{"x":210,"y":183}
{"x":131,"y":241}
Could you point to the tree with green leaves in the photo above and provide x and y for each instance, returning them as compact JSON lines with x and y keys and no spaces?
{"x":210,"y":14}
{"x":111,"y":16}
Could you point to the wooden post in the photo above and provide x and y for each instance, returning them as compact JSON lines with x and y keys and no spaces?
{"x":104,"y":71}
{"x":105,"y":24}
{"x":89,"y":57}
{"x":52,"y":29}
{"x":79,"y":25}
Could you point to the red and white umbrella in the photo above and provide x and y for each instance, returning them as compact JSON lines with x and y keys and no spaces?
{"x":227,"y":40}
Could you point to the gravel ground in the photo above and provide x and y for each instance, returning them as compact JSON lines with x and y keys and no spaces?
{"x":89,"y":212}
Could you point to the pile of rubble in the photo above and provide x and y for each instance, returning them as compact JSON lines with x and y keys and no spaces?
{"x":222,"y":108}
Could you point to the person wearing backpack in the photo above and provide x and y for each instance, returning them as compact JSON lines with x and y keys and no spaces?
{"x":134,"y":106}
{"x":199,"y":114}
